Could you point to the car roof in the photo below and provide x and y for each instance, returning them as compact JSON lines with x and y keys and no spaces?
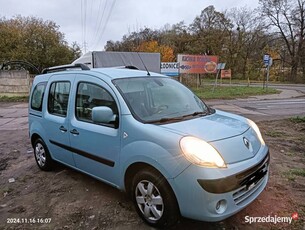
{"x":115,"y":73}
{"x":107,"y":73}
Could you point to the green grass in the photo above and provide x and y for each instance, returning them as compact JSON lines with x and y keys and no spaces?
{"x":290,"y":153}
{"x":211,"y":80}
{"x":14,"y":98}
{"x":291,"y":174}
{"x":6,"y":190}
{"x":297,"y":119}
{"x":300,"y":223}
{"x":230,"y":92}
{"x":274,"y":133}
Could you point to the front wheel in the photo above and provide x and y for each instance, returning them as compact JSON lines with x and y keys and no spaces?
{"x":154,"y":199}
{"x":42,"y":155}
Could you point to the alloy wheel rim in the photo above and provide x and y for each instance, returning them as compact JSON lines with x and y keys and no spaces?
{"x":40,"y":154}
{"x":149,"y":200}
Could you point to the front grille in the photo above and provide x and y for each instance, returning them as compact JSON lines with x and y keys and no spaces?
{"x":251,"y":182}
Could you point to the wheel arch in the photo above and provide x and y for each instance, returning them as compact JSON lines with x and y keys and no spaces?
{"x":134,"y":168}
{"x":34,"y":137}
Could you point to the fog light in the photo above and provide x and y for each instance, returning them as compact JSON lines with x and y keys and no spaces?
{"x":221,"y":206}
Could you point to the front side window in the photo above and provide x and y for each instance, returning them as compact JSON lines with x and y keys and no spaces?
{"x":157,"y":100}
{"x":59,"y":98}
{"x":90,"y":95}
{"x":37,"y":96}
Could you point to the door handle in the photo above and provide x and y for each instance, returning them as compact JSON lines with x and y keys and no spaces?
{"x":74,"y":132}
{"x":63,"y":129}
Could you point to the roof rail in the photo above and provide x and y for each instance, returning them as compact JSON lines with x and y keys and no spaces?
{"x":131,"y":67}
{"x":124,"y":67}
{"x":65,"y":67}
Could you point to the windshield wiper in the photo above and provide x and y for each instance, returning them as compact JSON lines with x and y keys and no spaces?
{"x":173,"y":119}
{"x":167,"y":119}
{"x":196,"y":114}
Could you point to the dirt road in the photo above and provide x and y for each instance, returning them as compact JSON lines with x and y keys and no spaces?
{"x":66,"y":199}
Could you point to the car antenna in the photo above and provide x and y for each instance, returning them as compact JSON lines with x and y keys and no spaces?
{"x":148,"y":74}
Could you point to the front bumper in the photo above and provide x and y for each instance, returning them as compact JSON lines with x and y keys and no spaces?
{"x":215,"y":194}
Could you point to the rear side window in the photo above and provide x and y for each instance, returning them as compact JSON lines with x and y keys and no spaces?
{"x":37,"y":96}
{"x":59,"y":98}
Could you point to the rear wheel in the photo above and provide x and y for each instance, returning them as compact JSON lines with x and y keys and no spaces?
{"x":154,"y":199}
{"x":42,"y":155}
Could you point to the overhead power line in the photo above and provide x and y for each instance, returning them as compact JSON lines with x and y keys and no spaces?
{"x":100,"y":19}
{"x":95,"y":18}
{"x":107,"y":20}
{"x":84,"y":23}
{"x":99,"y":25}
{"x":102,"y":26}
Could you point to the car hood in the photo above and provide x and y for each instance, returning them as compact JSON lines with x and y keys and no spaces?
{"x":225,"y":132}
{"x":220,"y":125}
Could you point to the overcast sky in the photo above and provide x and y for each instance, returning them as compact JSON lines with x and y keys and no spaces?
{"x":97,"y":21}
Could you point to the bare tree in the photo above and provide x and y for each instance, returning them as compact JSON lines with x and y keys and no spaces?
{"x":244,"y":44}
{"x":287,"y":17}
{"x":210,"y":30}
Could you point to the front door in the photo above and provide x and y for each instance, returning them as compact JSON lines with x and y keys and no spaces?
{"x":95,"y":147}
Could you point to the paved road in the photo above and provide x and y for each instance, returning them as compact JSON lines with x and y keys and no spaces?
{"x":258,"y":109}
{"x":290,"y":102}
{"x":297,"y":87}
{"x":13,"y":116}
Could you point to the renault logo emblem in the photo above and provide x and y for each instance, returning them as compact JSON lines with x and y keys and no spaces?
{"x":248,"y":144}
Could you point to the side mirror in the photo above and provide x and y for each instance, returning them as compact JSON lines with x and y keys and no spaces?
{"x":102,"y":114}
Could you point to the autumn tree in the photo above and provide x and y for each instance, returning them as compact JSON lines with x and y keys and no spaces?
{"x":240,"y":37}
{"x":131,"y":41}
{"x":178,"y":37}
{"x":166,"y":52}
{"x":113,"y":46}
{"x":287,"y":19}
{"x":36,"y":41}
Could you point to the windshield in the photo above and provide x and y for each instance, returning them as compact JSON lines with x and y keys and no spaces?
{"x":155,"y":99}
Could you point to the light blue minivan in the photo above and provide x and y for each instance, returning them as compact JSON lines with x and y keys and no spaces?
{"x":150,"y":136}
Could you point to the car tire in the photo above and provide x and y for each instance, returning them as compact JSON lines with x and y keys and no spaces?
{"x":154,"y":199}
{"x":42,"y":155}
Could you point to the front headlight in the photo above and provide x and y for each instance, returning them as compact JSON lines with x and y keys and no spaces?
{"x":201,"y":153}
{"x":256,"y":129}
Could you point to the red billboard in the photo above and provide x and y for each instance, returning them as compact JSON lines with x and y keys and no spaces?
{"x":225,"y":73}
{"x":197,"y":63}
